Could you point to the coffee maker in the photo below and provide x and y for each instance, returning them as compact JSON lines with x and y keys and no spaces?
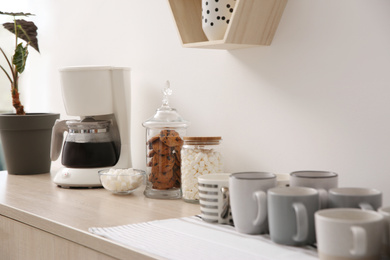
{"x":99,"y":138}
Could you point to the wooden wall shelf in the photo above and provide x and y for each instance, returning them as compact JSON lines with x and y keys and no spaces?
{"x":253,"y":23}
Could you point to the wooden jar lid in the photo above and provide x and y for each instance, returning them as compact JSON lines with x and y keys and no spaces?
{"x":202,"y":139}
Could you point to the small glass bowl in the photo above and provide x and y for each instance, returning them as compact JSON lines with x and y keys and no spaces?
{"x":122,"y":181}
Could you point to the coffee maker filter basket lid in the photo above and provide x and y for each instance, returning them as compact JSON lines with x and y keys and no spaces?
{"x":87,"y":90}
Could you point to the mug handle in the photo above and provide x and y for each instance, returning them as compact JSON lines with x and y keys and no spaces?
{"x":302,"y":222}
{"x":359,"y":238}
{"x":261,"y":200}
{"x":225,"y":200}
{"x":323,"y":195}
{"x":365,"y":206}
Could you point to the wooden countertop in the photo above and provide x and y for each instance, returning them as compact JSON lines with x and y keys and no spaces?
{"x":36,"y":201}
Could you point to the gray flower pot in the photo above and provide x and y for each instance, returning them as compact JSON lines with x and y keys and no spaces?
{"x":26,"y":142}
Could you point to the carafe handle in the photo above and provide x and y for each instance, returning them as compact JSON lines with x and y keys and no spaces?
{"x":57,"y":136}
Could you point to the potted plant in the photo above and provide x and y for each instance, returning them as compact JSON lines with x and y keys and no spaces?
{"x":25,"y":137}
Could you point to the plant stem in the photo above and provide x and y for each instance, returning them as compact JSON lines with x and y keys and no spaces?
{"x":9,"y":64}
{"x":16,"y":31}
{"x":15,"y":72}
{"x":6,"y":74}
{"x":16,"y":101}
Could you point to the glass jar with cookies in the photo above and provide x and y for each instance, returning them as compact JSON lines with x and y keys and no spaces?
{"x":164,"y":140}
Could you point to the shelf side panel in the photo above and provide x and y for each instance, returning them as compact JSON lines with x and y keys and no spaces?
{"x":255,"y":22}
{"x":188,"y":17}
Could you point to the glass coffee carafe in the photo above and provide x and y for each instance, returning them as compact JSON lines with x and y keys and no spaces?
{"x":88,"y":144}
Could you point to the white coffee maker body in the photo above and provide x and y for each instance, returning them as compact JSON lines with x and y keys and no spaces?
{"x":94,"y":93}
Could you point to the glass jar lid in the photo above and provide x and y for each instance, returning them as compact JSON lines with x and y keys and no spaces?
{"x":166,"y":116}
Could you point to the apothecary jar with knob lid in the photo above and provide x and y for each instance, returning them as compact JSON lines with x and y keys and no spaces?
{"x":164,"y":140}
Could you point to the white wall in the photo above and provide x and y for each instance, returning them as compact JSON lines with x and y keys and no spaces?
{"x":317,"y":98}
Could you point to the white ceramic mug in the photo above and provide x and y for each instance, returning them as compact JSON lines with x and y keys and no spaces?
{"x":291,"y":215}
{"x":351,"y":197}
{"x":320,"y":180}
{"x":347,"y":234}
{"x":214,"y":198}
{"x":385,"y":211}
{"x":248,"y":200}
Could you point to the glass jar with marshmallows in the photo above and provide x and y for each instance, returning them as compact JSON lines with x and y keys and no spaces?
{"x":199,"y":156}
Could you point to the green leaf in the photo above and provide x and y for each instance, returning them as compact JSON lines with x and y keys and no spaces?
{"x":25,"y":30}
{"x":20,"y":57}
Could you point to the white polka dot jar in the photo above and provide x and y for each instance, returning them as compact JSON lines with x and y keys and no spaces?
{"x":216,"y":15}
{"x":199,"y":156}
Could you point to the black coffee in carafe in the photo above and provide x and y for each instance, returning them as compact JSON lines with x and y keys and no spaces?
{"x":89,"y":145}
{"x":89,"y":155}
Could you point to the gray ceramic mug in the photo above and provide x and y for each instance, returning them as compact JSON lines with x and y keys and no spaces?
{"x":248,"y":200}
{"x":320,"y":180}
{"x":291,"y":215}
{"x":350,"y":197}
